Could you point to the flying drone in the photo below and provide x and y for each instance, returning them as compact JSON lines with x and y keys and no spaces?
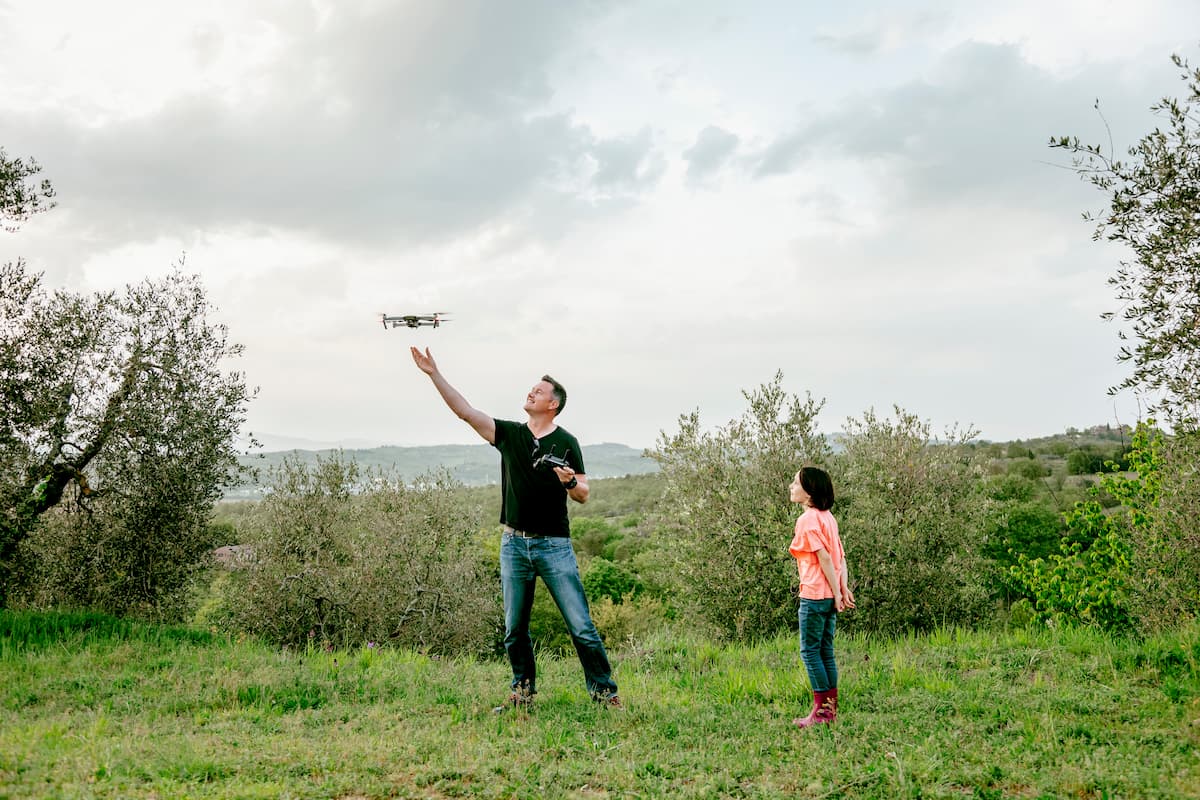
{"x":414,"y":320}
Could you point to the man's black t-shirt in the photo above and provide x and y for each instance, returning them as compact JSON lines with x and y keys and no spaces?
{"x":534,"y":500}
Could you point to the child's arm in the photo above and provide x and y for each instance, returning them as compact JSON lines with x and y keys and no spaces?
{"x":831,"y":576}
{"x":843,"y":589}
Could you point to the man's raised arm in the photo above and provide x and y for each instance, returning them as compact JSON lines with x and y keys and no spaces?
{"x":483,"y":423}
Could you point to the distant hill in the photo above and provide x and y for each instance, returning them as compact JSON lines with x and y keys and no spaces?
{"x":479,"y":465}
{"x":473,"y":464}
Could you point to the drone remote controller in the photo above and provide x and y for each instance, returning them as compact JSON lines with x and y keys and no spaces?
{"x":551,"y":460}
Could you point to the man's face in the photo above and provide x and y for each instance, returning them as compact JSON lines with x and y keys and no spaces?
{"x":541,"y":398}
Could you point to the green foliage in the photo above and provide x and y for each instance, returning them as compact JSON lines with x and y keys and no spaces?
{"x":1020,"y":518}
{"x":546,"y":626}
{"x":625,"y":499}
{"x":1058,"y":448}
{"x":136,"y":556}
{"x":1082,"y":585}
{"x":590,"y":536}
{"x":1029,"y":468}
{"x":21,"y":196}
{"x":1087,"y":582}
{"x":1081,"y":462}
{"x":1011,"y":488}
{"x":1017,"y":449}
{"x":119,"y":404}
{"x":1027,"y":528}
{"x":630,"y":622}
{"x":911,"y":517}
{"x":1165,"y":560}
{"x":1091,"y":460}
{"x":340,"y":557}
{"x":1154,"y":210}
{"x":725,"y":515}
{"x":603,"y":578}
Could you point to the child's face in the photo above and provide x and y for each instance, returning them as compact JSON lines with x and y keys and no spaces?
{"x":796,"y":492}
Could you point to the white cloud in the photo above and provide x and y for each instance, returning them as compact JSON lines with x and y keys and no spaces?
{"x":714,"y":146}
{"x":882,"y":218}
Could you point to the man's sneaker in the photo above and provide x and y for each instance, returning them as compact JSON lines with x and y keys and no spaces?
{"x":521,"y":699}
{"x":612,"y":701}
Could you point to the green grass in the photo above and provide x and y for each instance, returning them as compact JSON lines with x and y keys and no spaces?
{"x":91,"y":706}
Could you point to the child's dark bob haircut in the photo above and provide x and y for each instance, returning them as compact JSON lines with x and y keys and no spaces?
{"x":816,"y":483}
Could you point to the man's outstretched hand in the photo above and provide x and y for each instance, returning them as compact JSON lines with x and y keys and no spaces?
{"x":424,"y":361}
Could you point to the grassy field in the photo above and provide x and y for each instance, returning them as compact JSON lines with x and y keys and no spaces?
{"x":91,"y":706}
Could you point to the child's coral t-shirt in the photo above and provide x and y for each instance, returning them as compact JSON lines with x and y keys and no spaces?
{"x":816,"y":530}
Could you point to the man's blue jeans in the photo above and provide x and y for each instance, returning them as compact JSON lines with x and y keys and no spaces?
{"x":817,"y":622}
{"x":522,"y":561}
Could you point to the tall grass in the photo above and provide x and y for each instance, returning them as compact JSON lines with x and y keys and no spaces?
{"x":92,"y":706}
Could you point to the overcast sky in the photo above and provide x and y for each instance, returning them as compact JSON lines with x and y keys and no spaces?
{"x":659,"y":203}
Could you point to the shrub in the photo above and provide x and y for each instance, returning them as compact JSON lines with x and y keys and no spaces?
{"x":1081,"y":584}
{"x":1018,"y":449}
{"x":1028,"y":468}
{"x":1165,"y":560}
{"x":342,"y":557}
{"x":1084,"y":462}
{"x":911,"y":515}
{"x":589,"y":535}
{"x":547,"y":628}
{"x":1089,"y":581}
{"x":602,"y":578}
{"x":725,"y":517}
{"x":1027,"y":528}
{"x":629,"y":621}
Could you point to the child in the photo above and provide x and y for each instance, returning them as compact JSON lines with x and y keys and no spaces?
{"x":823,"y":589}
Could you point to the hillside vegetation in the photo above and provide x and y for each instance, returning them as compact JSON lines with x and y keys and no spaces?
{"x":472,"y":465}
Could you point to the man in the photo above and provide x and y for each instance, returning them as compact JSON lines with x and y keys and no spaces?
{"x":536,"y":539}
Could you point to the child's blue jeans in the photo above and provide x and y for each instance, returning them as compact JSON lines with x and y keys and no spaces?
{"x":817,"y":622}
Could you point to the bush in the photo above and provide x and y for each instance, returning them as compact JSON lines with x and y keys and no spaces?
{"x":725,"y":517}
{"x":1082,"y":585}
{"x":589,"y":536}
{"x":1165,"y":562}
{"x":1089,"y":581}
{"x":911,"y":515}
{"x":1018,"y":449}
{"x":344,"y":558}
{"x":624,"y":549}
{"x":1027,"y":528}
{"x":547,"y":628}
{"x":603,"y":578}
{"x":1084,"y":462}
{"x":1029,"y":469}
{"x":629,"y":621}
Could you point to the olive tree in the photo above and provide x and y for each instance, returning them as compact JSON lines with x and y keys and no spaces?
{"x":21,"y":194}
{"x":912,"y":514}
{"x":120,"y":404}
{"x":726,"y":519}
{"x":1154,"y":211}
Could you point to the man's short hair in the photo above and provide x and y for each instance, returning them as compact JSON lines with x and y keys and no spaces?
{"x":560,"y":394}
